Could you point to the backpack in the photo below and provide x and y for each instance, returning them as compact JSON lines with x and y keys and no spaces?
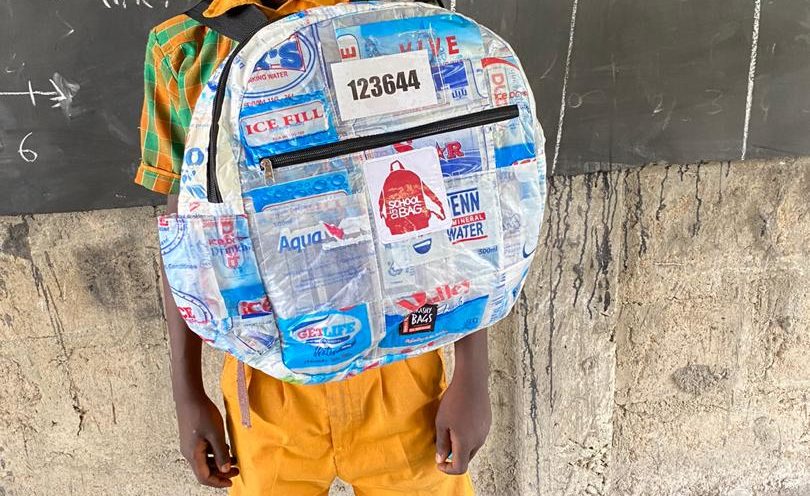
{"x":362,"y":183}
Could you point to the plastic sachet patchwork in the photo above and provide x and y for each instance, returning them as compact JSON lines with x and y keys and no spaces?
{"x":362,"y":183}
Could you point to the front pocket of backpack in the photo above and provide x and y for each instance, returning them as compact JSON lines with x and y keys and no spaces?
{"x":211,"y":268}
{"x":318,"y":256}
{"x":438,"y":286}
{"x":318,"y":263}
{"x":190,"y":275}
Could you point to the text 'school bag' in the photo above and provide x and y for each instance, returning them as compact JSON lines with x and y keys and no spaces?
{"x":362,"y":183}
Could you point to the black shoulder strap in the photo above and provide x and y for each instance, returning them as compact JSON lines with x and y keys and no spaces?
{"x":237,"y":23}
{"x":440,"y":3}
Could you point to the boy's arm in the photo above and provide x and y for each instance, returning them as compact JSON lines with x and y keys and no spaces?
{"x":202,"y":430}
{"x":465,"y":414}
{"x":163,"y":132}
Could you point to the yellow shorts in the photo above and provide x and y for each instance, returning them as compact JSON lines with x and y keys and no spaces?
{"x":375,"y":431}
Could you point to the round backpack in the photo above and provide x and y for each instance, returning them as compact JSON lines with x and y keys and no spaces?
{"x":362,"y":183}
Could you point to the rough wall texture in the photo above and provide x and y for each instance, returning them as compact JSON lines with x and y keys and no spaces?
{"x":712,"y":375}
{"x":659,"y":349}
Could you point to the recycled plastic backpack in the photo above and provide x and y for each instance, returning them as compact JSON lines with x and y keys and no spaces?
{"x":361,"y":183}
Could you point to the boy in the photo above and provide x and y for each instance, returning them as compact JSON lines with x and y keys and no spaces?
{"x":388,"y":431}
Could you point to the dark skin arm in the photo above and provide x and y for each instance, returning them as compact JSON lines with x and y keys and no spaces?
{"x":202,"y":430}
{"x":465,"y":414}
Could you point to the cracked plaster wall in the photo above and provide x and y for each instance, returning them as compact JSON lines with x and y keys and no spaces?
{"x":659,"y":348}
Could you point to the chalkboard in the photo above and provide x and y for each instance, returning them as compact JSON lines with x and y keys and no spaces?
{"x":617,"y":84}
{"x":780,"y":103}
{"x":71,"y":89}
{"x":656,"y":81}
{"x":671,"y":81}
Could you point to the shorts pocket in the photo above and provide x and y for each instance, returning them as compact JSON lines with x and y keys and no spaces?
{"x":427,"y":372}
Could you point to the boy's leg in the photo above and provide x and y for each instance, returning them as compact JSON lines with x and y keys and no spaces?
{"x":384,"y":431}
{"x":287,"y":450}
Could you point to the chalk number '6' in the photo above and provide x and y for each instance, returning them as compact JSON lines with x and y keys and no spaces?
{"x":29,"y":156}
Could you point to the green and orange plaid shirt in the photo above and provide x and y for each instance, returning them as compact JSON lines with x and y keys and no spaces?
{"x":181,"y":55}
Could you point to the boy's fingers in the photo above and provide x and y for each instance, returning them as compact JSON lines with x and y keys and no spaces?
{"x":231,"y":474}
{"x":442,"y":445}
{"x":202,"y":471}
{"x":216,"y":472}
{"x":461,"y":457}
{"x":222,"y":453}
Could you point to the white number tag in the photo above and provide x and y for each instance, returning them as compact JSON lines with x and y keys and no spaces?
{"x":384,"y":85}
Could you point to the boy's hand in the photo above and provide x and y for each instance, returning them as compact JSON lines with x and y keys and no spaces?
{"x":465,"y":414}
{"x":202,"y":442}
{"x":462,"y":424}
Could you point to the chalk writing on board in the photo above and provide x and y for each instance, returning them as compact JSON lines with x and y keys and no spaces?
{"x":566,"y":75}
{"x":70,"y":30}
{"x":752,"y":75}
{"x":9,"y":70}
{"x":66,"y":88}
{"x":56,"y":94}
{"x":61,"y":93}
{"x":715,"y":103}
{"x":138,"y":3}
{"x":28,"y":155}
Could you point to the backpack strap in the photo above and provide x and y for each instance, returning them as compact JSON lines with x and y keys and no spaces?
{"x":237,"y":23}
{"x":440,"y":3}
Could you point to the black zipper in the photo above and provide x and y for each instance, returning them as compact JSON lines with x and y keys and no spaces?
{"x":214,"y":195}
{"x":363,"y":143}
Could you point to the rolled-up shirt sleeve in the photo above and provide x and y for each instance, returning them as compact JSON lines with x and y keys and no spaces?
{"x":163,"y":132}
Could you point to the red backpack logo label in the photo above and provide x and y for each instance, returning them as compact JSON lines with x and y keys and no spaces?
{"x":408,"y":194}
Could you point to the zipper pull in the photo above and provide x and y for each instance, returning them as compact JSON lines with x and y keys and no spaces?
{"x":267,"y":166}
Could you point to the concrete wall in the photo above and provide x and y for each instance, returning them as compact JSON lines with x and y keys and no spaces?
{"x":659,"y":349}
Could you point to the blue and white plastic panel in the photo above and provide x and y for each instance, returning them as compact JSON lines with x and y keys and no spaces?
{"x":359,"y":270}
